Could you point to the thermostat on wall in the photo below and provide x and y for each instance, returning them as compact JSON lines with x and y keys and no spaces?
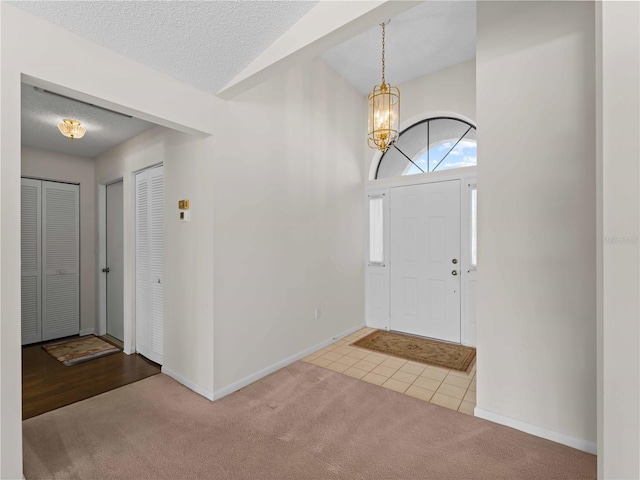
{"x":185,"y":214}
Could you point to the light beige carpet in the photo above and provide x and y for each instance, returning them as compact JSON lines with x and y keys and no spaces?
{"x":302,"y":422}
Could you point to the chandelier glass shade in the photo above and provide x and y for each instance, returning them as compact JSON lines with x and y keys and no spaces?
{"x":384,"y":112}
{"x":384,"y":116}
{"x":71,"y":128}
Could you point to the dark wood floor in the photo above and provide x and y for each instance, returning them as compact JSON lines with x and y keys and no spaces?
{"x":47,"y":384}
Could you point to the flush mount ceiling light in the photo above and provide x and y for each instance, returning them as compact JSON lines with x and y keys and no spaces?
{"x":384,"y":112}
{"x":71,"y":128}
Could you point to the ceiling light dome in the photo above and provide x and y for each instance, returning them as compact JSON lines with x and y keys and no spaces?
{"x":71,"y":128}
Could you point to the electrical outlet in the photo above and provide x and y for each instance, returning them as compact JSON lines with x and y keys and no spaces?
{"x":318,"y":313}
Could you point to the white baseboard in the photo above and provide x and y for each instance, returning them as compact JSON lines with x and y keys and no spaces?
{"x":223,"y":392}
{"x":87,"y":331}
{"x":577,"y":443}
{"x":190,"y":385}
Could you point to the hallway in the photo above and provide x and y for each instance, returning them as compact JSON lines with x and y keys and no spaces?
{"x":47,"y":384}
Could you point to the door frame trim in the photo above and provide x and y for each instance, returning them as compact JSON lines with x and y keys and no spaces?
{"x":381,"y":319}
{"x":102,"y":259}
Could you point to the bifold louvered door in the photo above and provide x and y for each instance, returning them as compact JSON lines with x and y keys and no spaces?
{"x":60,"y":260}
{"x":50,"y":260}
{"x":31,"y":255}
{"x":149,"y":263}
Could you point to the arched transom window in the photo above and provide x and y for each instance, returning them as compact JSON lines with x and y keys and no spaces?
{"x":430,"y":145}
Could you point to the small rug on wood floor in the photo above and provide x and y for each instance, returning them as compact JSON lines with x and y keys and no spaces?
{"x":419,"y":349}
{"x":80,"y":350}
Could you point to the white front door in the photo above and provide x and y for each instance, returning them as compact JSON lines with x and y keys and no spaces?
{"x":115,"y":262}
{"x":425,"y":260}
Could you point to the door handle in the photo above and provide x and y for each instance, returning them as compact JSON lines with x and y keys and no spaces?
{"x":105,"y":270}
{"x":454,"y":272}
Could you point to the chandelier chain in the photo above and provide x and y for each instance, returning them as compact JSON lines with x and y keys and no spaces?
{"x":383,"y":80}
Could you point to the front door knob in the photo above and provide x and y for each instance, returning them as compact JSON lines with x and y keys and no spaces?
{"x":454,"y":272}
{"x":454,"y":261}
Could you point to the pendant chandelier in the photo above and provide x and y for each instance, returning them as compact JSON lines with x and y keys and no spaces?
{"x":384,"y":112}
{"x":71,"y":128}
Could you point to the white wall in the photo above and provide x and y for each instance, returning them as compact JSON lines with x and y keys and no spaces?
{"x":288,"y":185}
{"x":288,"y":224}
{"x":619,"y":342}
{"x":46,"y":165}
{"x":537,"y":224}
{"x":452,"y":89}
{"x":188,"y":259}
{"x":30,"y":47}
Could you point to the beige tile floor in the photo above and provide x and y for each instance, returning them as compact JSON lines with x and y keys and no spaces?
{"x":448,"y":388}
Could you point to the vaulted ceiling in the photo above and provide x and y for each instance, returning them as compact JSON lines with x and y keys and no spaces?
{"x":207,"y":43}
{"x":422,"y":40}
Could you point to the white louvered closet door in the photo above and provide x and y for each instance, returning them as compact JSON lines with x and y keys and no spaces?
{"x":149,"y":263}
{"x":31,"y":257}
{"x":156,"y":225}
{"x":60,"y":260}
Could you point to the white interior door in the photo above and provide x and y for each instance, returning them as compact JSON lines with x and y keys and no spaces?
{"x":115,"y":261}
{"x":149,"y":263}
{"x":31,"y":256}
{"x":156,"y":248}
{"x":425,"y":260}
{"x":60,"y":260}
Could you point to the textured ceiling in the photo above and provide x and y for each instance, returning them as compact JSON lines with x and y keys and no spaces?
{"x":427,"y":38}
{"x":207,"y":43}
{"x":41,"y":113}
{"x":202,"y":43}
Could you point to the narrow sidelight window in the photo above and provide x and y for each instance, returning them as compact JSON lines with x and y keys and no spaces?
{"x":474,"y":226}
{"x":376,"y":230}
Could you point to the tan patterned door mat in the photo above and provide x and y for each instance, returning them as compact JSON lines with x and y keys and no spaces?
{"x":419,"y":349}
